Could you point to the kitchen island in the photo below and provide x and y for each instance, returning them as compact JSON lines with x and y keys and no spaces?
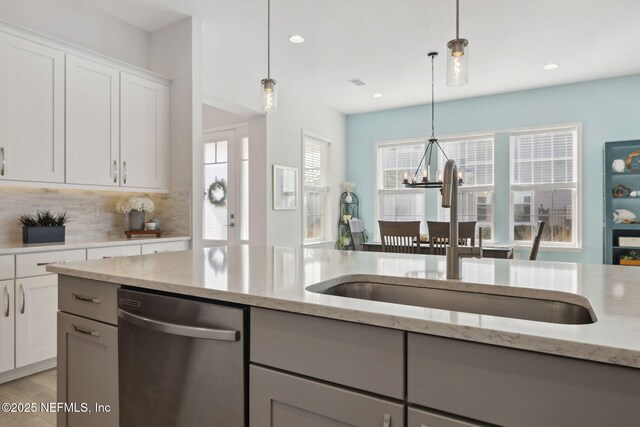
{"x":503,"y":367}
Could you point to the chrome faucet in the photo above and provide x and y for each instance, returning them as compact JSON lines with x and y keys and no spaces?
{"x":450,"y":200}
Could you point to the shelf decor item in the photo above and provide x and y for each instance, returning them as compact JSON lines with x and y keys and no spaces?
{"x":633,"y":161}
{"x":618,"y":165}
{"x":347,"y":187}
{"x":136,"y":207}
{"x":44,"y":227}
{"x":621,"y":191}
{"x":631,"y":258}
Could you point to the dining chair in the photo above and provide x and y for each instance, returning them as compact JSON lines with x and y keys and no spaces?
{"x":400,"y":236}
{"x":439,"y":235}
{"x":536,"y":241}
{"x":356,"y":230}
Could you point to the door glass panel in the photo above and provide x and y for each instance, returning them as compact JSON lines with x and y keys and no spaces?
{"x":244,"y":199}
{"x":215,"y":178}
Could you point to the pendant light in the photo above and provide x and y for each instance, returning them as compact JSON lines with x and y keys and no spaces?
{"x":422,"y":180}
{"x":458,"y":58}
{"x":269,"y":94}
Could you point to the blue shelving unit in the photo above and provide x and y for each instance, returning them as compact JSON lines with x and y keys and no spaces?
{"x":631,"y":180}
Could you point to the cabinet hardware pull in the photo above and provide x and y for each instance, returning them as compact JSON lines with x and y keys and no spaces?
{"x":124,"y":170}
{"x":7,"y":311}
{"x":386,"y":421}
{"x":87,"y":299}
{"x":115,"y":175}
{"x":24,"y":299}
{"x":3,"y":162}
{"x":85,"y":331}
{"x":42,"y":264}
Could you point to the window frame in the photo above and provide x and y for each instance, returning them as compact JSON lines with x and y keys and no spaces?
{"x":576,"y":245}
{"x":326,"y":190}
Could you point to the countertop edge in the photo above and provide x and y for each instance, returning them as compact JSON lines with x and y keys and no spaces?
{"x":61,"y":246}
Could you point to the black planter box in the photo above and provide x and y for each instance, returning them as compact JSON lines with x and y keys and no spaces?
{"x":42,"y":234}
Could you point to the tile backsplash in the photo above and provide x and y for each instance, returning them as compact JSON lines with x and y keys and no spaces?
{"x":93,"y":213}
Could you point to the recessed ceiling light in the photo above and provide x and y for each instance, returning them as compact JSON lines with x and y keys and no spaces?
{"x":296,"y":38}
{"x":551,"y":67}
{"x":377,"y":95}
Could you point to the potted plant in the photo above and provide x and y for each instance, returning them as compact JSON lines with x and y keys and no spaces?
{"x":631,"y":258}
{"x":136,"y":208}
{"x":43,"y":227}
{"x":346,"y":215}
{"x":343,"y":241}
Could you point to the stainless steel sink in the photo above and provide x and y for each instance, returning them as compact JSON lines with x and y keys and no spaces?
{"x":517,"y":307}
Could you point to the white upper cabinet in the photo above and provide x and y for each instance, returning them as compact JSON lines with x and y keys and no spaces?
{"x":31,"y":111}
{"x":143,"y":132}
{"x":93,"y":123}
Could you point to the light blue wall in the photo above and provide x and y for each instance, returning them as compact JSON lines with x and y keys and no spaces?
{"x":609,"y":110}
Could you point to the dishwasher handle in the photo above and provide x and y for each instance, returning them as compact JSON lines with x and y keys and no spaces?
{"x":176,"y":329}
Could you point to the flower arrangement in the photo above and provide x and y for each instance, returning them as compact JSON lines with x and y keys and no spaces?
{"x":347,"y":187}
{"x":631,"y":256}
{"x":135,"y":203}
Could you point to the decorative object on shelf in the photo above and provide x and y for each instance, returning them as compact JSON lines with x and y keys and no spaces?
{"x":626,"y":241}
{"x":424,"y":181}
{"x":347,"y":187}
{"x":347,"y":214}
{"x":623,"y":215}
{"x":217,"y":193}
{"x":136,"y":207}
{"x":633,"y":161}
{"x":458,"y":58}
{"x":348,"y":210}
{"x":151,"y":226}
{"x":621,"y":191}
{"x":143,"y":233}
{"x":285,"y":188}
{"x":269,"y":93}
{"x":618,"y":165}
{"x":43,"y":227}
{"x":634,"y":194}
{"x":631,"y":258}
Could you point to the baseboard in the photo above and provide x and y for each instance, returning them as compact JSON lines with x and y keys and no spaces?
{"x":24,"y":371}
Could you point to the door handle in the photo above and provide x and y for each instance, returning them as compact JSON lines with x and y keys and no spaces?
{"x":7,"y":310}
{"x":115,"y":175}
{"x":87,"y":299}
{"x":231,"y":225}
{"x":85,"y":331}
{"x":24,"y":299}
{"x":176,"y":329}
{"x":124,"y":171}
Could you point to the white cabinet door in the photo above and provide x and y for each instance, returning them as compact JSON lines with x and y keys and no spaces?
{"x":31,"y":111}
{"x":7,"y":322}
{"x":36,"y":306}
{"x":93,"y":123}
{"x":143,"y":132}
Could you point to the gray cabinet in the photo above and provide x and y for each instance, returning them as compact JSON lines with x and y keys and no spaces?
{"x":417,"y":417}
{"x":284,"y":400}
{"x":88,"y":352}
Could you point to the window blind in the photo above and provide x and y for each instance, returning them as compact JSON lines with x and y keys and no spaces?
{"x":546,"y":157}
{"x":316,"y":163}
{"x":396,"y":160}
{"x":474,"y":158}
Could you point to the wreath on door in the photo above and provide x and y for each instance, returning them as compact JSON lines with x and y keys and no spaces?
{"x":217,"y":193}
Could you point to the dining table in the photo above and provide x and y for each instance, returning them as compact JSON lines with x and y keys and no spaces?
{"x":504,"y":251}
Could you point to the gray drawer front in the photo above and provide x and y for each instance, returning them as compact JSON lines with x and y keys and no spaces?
{"x":88,"y":298}
{"x":518,"y":388}
{"x":424,"y":418}
{"x":364,"y":357}
{"x":284,"y":400}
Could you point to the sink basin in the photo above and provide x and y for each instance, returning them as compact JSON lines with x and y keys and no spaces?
{"x":518,"y":307}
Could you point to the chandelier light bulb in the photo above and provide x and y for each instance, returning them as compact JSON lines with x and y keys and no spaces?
{"x":269,"y":96}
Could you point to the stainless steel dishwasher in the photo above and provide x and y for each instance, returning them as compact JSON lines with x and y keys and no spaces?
{"x":181,"y":362}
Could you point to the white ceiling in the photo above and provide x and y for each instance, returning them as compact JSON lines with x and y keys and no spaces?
{"x":384,"y":43}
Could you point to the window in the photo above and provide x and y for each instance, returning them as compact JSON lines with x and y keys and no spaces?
{"x":395,"y":202}
{"x":544,"y":185}
{"x":316,"y":153}
{"x":474,"y":159}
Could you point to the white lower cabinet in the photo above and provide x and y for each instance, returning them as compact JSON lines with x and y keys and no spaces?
{"x":424,"y":418}
{"x":283,"y":400}
{"x":36,"y":304}
{"x":7,"y":324}
{"x":87,"y":371}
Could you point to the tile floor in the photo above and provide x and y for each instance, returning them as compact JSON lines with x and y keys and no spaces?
{"x":37,"y":388}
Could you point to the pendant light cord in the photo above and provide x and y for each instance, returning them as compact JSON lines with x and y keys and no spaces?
{"x":269,"y":39}
{"x":457,"y":19}
{"x":433,"y":83}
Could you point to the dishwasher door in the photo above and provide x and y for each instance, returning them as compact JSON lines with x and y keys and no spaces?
{"x":181,"y":362}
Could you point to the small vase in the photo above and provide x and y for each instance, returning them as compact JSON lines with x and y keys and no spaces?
{"x":136,"y":220}
{"x":348,"y":198}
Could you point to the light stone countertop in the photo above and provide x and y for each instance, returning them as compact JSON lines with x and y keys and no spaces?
{"x":18,"y":247}
{"x":277,"y":278}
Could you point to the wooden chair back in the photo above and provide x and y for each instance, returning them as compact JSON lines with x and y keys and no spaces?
{"x":536,"y":241}
{"x":400,"y":236}
{"x":356,"y":230}
{"x":439,"y":235}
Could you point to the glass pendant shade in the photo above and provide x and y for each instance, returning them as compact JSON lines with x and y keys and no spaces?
{"x":269,"y":96}
{"x":457,"y":62}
